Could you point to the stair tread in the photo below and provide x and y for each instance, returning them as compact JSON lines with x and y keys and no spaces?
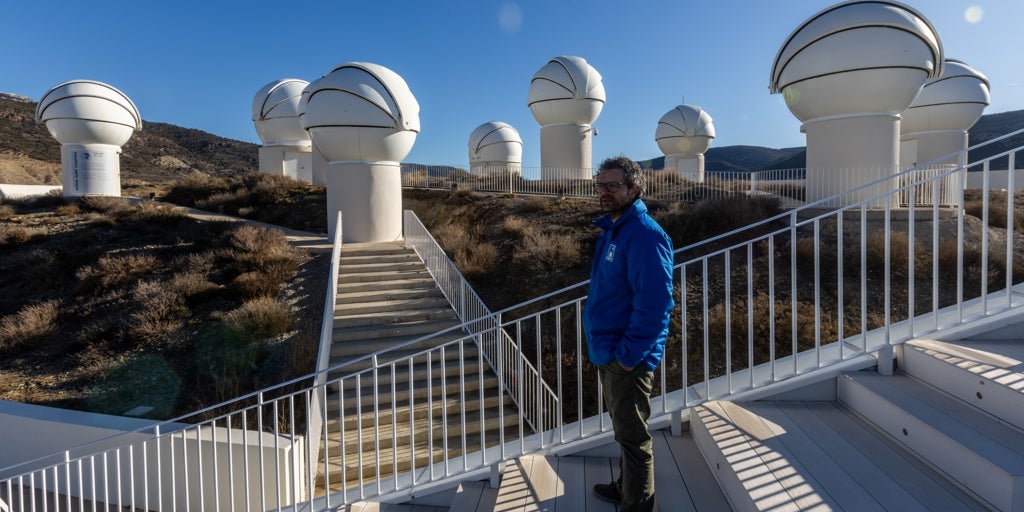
{"x":815,"y":454}
{"x":996,"y":441}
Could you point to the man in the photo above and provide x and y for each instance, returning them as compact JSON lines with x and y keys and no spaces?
{"x":626,"y":319}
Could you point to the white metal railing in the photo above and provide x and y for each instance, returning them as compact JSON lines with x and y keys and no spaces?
{"x":532,"y":395}
{"x":665,"y":184}
{"x":752,"y":316}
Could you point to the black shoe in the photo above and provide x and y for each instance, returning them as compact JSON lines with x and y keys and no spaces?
{"x":609,"y":492}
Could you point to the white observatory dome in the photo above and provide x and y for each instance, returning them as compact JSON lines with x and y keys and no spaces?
{"x":88,"y":112}
{"x":686,"y":129}
{"x":361,"y":111}
{"x":856,"y":57}
{"x":495,"y":141}
{"x":566,"y":90}
{"x":275,"y":112}
{"x":953,"y":101}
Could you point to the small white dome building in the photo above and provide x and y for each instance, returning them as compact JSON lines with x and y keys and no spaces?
{"x":684,"y":134}
{"x":287,"y":149}
{"x":933,"y":131}
{"x":495,"y":148}
{"x":566,"y":97}
{"x":938,"y":119}
{"x":363,"y":119}
{"x":847,"y":72}
{"x":91,"y":120}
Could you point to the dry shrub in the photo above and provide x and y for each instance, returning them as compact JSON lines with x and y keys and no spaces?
{"x":261,"y":318}
{"x":31,"y":323}
{"x":151,"y":214}
{"x":252,"y":285}
{"x":515,"y":224}
{"x":215,"y":201}
{"x":547,"y":252}
{"x":417,"y":179}
{"x":231,"y":349}
{"x":102,"y":204}
{"x":194,"y":286}
{"x":68,"y":209}
{"x":264,"y":250}
{"x":270,"y":188}
{"x":899,"y":250}
{"x":538,"y":204}
{"x":7,"y":211}
{"x":15,"y":235}
{"x":195,"y":187}
{"x":160,"y":311}
{"x":470,"y":254}
{"x":109,"y":272}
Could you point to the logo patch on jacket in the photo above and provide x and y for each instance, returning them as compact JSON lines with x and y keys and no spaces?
{"x":610,"y":255}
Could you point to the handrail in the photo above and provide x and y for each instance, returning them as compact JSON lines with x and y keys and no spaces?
{"x":515,"y":369}
{"x":769,"y":276}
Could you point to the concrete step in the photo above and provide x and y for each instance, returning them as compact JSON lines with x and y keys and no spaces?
{"x":403,"y":316}
{"x":380,"y":258}
{"x":402,"y":409}
{"x":986,"y":374}
{"x":418,"y":374}
{"x":382,"y":274}
{"x":347,"y":267}
{"x":388,"y":306}
{"x":393,"y":330}
{"x":362,"y":291}
{"x":418,"y":390}
{"x":469,"y":353}
{"x":374,"y":249}
{"x":388,"y":460}
{"x":346,"y":350}
{"x":976,"y":450}
{"x":368,"y":435}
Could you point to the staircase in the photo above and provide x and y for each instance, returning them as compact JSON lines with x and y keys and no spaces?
{"x":386,"y":297}
{"x":943,"y":432}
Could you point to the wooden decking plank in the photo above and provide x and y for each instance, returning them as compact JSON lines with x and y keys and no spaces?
{"x":927,"y":486}
{"x":598,"y":470}
{"x":573,"y":495}
{"x":670,"y":489}
{"x":770,"y":478}
{"x":543,"y":483}
{"x":514,"y":492}
{"x":700,"y":483}
{"x":837,"y":468}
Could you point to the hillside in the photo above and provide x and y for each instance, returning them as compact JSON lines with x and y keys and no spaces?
{"x":157,"y":154}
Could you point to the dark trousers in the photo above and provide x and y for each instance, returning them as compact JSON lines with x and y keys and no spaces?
{"x":627,"y":397}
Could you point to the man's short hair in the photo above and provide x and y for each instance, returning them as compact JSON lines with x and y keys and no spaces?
{"x":631,"y":172}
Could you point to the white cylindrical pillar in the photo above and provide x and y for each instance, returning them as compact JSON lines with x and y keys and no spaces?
{"x":690,"y":167}
{"x":361,"y":190}
{"x":846,"y":152}
{"x":91,"y":170}
{"x":565,"y":151}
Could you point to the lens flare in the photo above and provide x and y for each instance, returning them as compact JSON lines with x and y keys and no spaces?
{"x":973,"y":14}
{"x":510,"y":18}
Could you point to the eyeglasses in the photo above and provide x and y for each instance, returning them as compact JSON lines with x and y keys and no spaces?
{"x":610,"y":186}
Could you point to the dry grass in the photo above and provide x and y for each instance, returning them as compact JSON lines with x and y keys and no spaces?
{"x":147,"y":279}
{"x":32,"y":323}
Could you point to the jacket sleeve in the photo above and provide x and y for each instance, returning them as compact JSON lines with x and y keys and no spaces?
{"x":650,"y":277}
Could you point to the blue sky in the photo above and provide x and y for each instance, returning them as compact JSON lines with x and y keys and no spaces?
{"x":199,"y":64}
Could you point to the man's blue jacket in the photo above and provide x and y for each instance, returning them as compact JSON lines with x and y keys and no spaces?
{"x":630,"y":298}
